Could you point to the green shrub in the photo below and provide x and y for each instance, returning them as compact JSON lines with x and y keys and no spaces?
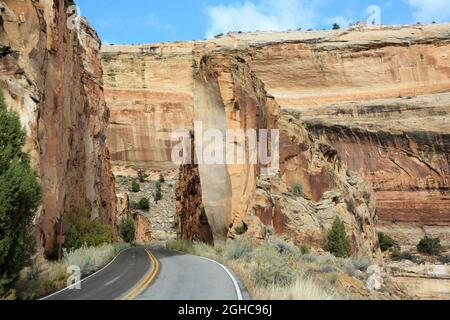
{"x":386,"y":242}
{"x":304,"y":249}
{"x":127,"y":230}
{"x":337,"y":241}
{"x":85,"y":231}
{"x":297,"y":188}
{"x":91,"y":259}
{"x":144,"y":204}
{"x":161,"y":179}
{"x":239,"y":230}
{"x":158,"y":194}
{"x":135,"y":187}
{"x":20,"y":196}
{"x":430,"y":246}
{"x":236,"y":249}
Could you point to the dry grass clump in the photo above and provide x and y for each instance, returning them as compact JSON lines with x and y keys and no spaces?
{"x":45,"y":277}
{"x":278,"y":270}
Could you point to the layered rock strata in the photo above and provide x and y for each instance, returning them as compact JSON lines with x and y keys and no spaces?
{"x":228,"y":95}
{"x":378,"y":96}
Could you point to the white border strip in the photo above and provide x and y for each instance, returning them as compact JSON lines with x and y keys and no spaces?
{"x":233,"y":279}
{"x":75,"y":284}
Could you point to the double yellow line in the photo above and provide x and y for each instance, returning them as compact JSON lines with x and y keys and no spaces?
{"x":144,"y":283}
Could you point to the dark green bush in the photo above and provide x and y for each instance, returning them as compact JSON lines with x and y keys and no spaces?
{"x":158,"y":194}
{"x":337,"y":241}
{"x":20,"y":196}
{"x":386,"y":242}
{"x":239,"y":230}
{"x":84,"y":230}
{"x":161,"y":178}
{"x":430,"y":246}
{"x":135,"y":187}
{"x":144,"y":204}
{"x":127,"y":230}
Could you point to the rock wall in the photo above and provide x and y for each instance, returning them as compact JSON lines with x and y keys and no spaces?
{"x":52,"y":76}
{"x":378,"y":96}
{"x":228,"y":95}
{"x":149,"y":90}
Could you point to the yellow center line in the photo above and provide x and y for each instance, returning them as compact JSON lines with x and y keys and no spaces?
{"x":144,"y":283}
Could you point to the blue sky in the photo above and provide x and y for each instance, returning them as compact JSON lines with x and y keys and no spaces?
{"x":149,"y":21}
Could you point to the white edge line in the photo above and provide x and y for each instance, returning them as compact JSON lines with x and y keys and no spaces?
{"x":233,"y":279}
{"x":75,"y":284}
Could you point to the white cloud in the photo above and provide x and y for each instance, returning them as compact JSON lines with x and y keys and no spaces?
{"x":265,"y":15}
{"x":431,"y":10}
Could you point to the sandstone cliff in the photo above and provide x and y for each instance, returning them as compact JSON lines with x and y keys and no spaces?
{"x":378,"y":96}
{"x":229,"y":96}
{"x":52,"y":76}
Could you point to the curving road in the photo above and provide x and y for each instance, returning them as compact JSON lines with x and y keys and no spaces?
{"x":156,"y":274}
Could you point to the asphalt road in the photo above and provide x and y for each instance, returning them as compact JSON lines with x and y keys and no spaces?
{"x":111,"y":283}
{"x":157,"y":274}
{"x":186,"y":277}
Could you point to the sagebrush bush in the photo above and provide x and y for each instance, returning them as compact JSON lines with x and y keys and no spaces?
{"x":127,"y":230}
{"x":430,"y":246}
{"x":91,"y":259}
{"x":83,"y":231}
{"x":181,"y":245}
{"x":272,"y":268}
{"x":281,"y":246}
{"x":337,"y":241}
{"x":386,"y":242}
{"x":297,"y":188}
{"x":236,"y":249}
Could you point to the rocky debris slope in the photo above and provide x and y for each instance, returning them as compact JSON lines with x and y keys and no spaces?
{"x":228,"y":95}
{"x":52,"y":76}
{"x":157,"y":223}
{"x":378,"y":96}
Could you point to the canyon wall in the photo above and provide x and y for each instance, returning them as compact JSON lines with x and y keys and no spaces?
{"x":51,"y":74}
{"x":228,"y":96}
{"x":380,"y":97}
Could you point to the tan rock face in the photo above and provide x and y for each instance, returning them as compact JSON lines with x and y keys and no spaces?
{"x":379,"y":97}
{"x":52,"y":76}
{"x":149,"y":92}
{"x":228,"y":94}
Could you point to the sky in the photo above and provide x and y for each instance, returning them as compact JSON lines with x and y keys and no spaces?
{"x":152,"y":21}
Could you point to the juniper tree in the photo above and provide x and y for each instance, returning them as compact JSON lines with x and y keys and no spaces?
{"x":337,"y":241}
{"x":20,"y":196}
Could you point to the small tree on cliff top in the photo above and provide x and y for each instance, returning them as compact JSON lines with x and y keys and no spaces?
{"x":20,"y":196}
{"x":337,"y":241}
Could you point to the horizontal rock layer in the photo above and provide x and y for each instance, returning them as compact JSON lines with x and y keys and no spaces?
{"x":378,"y":96}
